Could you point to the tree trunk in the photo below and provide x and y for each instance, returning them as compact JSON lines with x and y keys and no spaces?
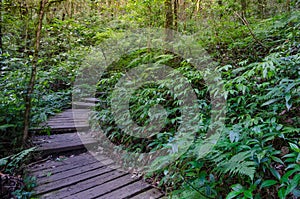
{"x":1,"y":46}
{"x":182,"y":6}
{"x":176,"y":6}
{"x":288,"y":5}
{"x":169,"y":20}
{"x":30,"y":88}
{"x":198,"y":6}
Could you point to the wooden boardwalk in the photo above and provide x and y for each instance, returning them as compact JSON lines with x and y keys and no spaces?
{"x":81,"y":176}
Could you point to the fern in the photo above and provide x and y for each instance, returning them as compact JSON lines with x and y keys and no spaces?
{"x":238,"y":164}
{"x":13,"y":162}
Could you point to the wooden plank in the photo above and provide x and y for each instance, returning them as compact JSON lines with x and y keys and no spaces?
{"x":73,"y":172}
{"x":49,"y":139}
{"x":65,"y":182}
{"x":85,"y":157}
{"x":71,"y":146}
{"x":62,"y":168}
{"x":91,"y":100}
{"x":84,"y":185}
{"x":68,"y":145}
{"x":104,"y":188}
{"x":79,"y":116}
{"x":61,"y":129}
{"x":71,"y":121}
{"x":71,"y":110}
{"x":150,"y":194}
{"x":63,"y":143}
{"x":67,"y":119}
{"x":83,"y":105}
{"x":127,"y":191}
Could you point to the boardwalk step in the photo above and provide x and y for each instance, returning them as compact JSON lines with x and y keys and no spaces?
{"x":54,"y":144}
{"x":81,"y":176}
{"x":80,"y":105}
{"x":91,"y":100}
{"x":71,"y":120}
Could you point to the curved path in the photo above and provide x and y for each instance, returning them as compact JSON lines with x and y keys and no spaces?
{"x":80,"y":176}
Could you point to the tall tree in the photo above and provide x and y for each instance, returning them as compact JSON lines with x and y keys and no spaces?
{"x":169,"y":20}
{"x":288,"y":5}
{"x":176,"y":4}
{"x":30,"y":89}
{"x":1,"y":47}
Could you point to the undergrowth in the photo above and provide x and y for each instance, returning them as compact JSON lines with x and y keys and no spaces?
{"x":258,"y":154}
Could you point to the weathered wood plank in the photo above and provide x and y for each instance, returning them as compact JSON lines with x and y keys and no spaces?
{"x":150,"y":194}
{"x":74,"y":171}
{"x":63,"y":143}
{"x":127,"y":191}
{"x":59,"y":148}
{"x":105,"y":188}
{"x":60,"y":169}
{"x":91,"y":100}
{"x":71,"y":180}
{"x":61,"y":129}
{"x":82,"y":158}
{"x":46,"y":139}
{"x":84,"y":185}
{"x":81,"y":105}
{"x":64,"y":122}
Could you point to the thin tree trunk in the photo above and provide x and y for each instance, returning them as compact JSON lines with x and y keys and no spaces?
{"x":176,"y":4}
{"x":198,"y":6}
{"x":183,"y":14}
{"x":1,"y":46}
{"x":169,"y":20}
{"x":288,"y":5}
{"x":30,"y":88}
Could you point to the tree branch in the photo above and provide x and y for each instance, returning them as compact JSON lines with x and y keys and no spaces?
{"x":246,"y":23}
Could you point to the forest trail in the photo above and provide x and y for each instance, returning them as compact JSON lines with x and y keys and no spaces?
{"x":71,"y":172}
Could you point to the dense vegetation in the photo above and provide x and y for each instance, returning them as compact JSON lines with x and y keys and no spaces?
{"x":256,"y":45}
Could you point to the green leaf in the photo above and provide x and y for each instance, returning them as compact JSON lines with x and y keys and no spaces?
{"x":281,"y":193}
{"x":277,"y":160}
{"x":248,"y":194}
{"x":237,"y":187}
{"x":293,"y":185}
{"x":5,"y":126}
{"x":294,"y":147}
{"x":233,"y":194}
{"x":275,"y":173}
{"x":288,"y":106}
{"x":268,"y":183}
{"x":288,"y":97}
{"x":270,"y":102}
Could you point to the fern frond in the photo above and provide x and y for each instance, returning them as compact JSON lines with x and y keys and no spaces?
{"x":239,"y":164}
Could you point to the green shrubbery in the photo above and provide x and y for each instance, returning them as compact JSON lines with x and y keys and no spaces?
{"x":258,"y":153}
